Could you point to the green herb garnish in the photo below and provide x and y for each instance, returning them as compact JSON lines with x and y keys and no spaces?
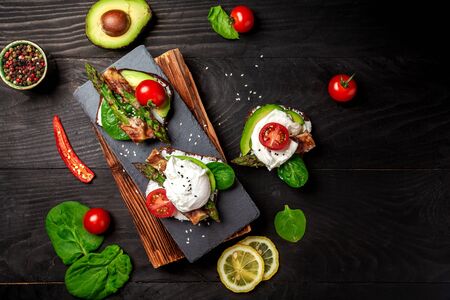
{"x":222,"y":23}
{"x":290,"y":224}
{"x":223,"y":173}
{"x":64,"y":225}
{"x":111,"y":124}
{"x":294,"y":172}
{"x":97,"y":275}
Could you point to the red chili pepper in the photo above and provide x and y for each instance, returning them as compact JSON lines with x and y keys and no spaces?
{"x":75,"y":165}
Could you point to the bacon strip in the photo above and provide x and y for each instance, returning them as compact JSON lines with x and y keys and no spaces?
{"x":157,"y":161}
{"x":305,"y":142}
{"x":137,"y":130}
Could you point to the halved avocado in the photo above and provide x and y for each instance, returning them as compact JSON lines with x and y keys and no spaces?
{"x":212,"y":180}
{"x":114,"y":24}
{"x":135,"y":77}
{"x":255,"y":117}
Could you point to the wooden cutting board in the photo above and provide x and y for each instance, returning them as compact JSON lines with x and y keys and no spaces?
{"x":158,"y":244}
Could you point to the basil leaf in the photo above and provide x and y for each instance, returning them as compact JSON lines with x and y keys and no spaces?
{"x":110,"y":123}
{"x":294,"y":172}
{"x":97,"y":275}
{"x":290,"y":224}
{"x":222,"y":23}
{"x":64,"y":225}
{"x":223,"y":174}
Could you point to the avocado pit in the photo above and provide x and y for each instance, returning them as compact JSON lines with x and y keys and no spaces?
{"x":115,"y":22}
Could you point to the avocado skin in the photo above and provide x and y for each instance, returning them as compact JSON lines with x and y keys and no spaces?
{"x":255,"y":117}
{"x":138,"y":11}
{"x":135,"y":77}
{"x":212,"y":180}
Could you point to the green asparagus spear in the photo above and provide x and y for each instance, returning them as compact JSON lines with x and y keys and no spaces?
{"x":211,"y":210}
{"x":249,"y":160}
{"x":102,"y":89}
{"x":150,"y":172}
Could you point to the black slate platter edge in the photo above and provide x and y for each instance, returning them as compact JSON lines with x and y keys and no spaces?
{"x":235,"y":205}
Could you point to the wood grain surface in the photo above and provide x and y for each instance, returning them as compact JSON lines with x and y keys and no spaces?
{"x":377,"y":199}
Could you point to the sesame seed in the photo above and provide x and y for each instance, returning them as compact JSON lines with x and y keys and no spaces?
{"x":226,"y":74}
{"x":120,"y":153}
{"x":242,"y":75}
{"x":248,"y":98}
{"x":219,"y":123}
{"x":202,"y":234}
{"x":186,"y":231}
{"x":190,"y":134}
{"x":237,"y":94}
{"x":259,"y":96}
{"x":198,"y":135}
{"x":246,"y":85}
{"x":250,"y":92}
{"x":231,"y":74}
{"x":262,"y":56}
{"x":190,"y":139}
{"x":187,"y":242}
{"x":254,"y":93}
{"x":123,"y":145}
{"x":190,"y":230}
{"x":206,"y":68}
{"x":256,"y":66}
{"x":195,"y":143}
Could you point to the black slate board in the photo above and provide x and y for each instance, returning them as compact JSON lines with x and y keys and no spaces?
{"x":235,"y":205}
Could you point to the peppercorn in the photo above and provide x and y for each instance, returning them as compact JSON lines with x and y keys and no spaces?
{"x":23,"y":65}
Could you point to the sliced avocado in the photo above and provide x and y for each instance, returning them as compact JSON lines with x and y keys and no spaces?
{"x":114,"y":24}
{"x":296,"y":117}
{"x":255,"y":117}
{"x":135,"y":77}
{"x":250,"y":124}
{"x":212,"y":180}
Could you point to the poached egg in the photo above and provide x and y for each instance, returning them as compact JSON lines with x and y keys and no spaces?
{"x":275,"y":158}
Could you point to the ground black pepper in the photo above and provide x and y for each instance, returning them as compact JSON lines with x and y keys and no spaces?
{"x":23,"y":65}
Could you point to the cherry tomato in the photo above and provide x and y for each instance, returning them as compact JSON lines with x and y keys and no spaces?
{"x":150,"y":90}
{"x":159,"y":205}
{"x":342,"y":88}
{"x":243,"y":18}
{"x":96,"y":220}
{"x":274,"y":136}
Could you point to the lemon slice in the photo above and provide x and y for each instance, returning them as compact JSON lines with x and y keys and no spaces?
{"x":240,"y":268}
{"x":268,"y":252}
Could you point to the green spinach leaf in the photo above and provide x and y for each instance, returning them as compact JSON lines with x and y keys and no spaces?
{"x":294,"y":172}
{"x":110,"y":123}
{"x":223,"y":173}
{"x":97,"y":275}
{"x":64,"y":225}
{"x":290,"y":224}
{"x":222,"y":23}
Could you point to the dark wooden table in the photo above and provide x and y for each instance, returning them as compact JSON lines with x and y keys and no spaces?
{"x":377,"y":202}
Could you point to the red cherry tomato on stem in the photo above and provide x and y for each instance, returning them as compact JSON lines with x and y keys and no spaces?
{"x":342,"y":88}
{"x":274,"y":136}
{"x":243,"y":18}
{"x":96,"y":220}
{"x":150,"y":90}
{"x":159,"y":205}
